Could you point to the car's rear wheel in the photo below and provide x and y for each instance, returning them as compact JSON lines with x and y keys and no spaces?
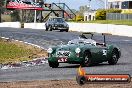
{"x":53,"y":64}
{"x":87,"y":60}
{"x":114,"y":58}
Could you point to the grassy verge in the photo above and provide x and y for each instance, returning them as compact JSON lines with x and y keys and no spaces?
{"x":11,"y":51}
{"x":117,"y":22}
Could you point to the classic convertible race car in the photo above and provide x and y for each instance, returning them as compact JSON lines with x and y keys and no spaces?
{"x":84,"y":51}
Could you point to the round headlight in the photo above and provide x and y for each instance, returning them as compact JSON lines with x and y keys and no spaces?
{"x":50,"y":50}
{"x":77,"y":50}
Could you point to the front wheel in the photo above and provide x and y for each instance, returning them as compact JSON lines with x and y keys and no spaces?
{"x":67,"y":30}
{"x":53,"y":64}
{"x":114,"y":58}
{"x":50,"y":29}
{"x":87,"y":60}
{"x":46,"y":29}
{"x":61,"y":30}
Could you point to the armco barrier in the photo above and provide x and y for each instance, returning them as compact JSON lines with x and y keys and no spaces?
{"x":81,"y":27}
{"x":122,"y":30}
{"x":91,"y":27}
{"x":11,"y":24}
{"x":34,"y":25}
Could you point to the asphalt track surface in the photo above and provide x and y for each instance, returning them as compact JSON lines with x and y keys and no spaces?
{"x":65,"y":71}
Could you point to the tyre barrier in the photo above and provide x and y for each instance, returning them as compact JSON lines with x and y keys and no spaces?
{"x":34,"y":62}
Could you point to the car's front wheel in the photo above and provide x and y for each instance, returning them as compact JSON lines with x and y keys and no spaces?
{"x":61,"y":30}
{"x":87,"y":61}
{"x":50,"y":28}
{"x":67,"y":30}
{"x":53,"y":64}
{"x":46,"y":29}
{"x":114,"y":58}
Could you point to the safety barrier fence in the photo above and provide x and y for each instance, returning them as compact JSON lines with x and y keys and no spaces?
{"x":11,"y":24}
{"x":122,"y":30}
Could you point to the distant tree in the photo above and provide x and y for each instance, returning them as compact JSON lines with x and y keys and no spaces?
{"x":113,"y":11}
{"x":1,"y":8}
{"x":101,"y":14}
{"x":79,"y":18}
{"x":82,"y":9}
{"x":15,"y":15}
{"x":2,"y":2}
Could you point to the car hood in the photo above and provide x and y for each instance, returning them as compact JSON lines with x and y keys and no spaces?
{"x":70,"y":47}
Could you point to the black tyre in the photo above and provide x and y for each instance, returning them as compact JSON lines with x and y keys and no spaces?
{"x":114,"y":58}
{"x":67,"y":30}
{"x":81,"y":80}
{"x":61,"y":30}
{"x":46,"y":29}
{"x":53,"y":64}
{"x":87,"y":60}
{"x":50,"y":29}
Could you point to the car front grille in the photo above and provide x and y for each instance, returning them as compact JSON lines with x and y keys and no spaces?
{"x":63,"y":53}
{"x":59,"y":25}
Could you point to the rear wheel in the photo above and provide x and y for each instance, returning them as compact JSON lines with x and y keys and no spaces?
{"x":53,"y":64}
{"x":114,"y":58}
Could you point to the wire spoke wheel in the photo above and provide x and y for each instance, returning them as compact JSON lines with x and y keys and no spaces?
{"x":114,"y":58}
{"x":50,"y":29}
{"x":87,"y":61}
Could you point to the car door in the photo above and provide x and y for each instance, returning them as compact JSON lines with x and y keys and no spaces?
{"x":99,"y":53}
{"x":102,"y":53}
{"x":96,"y":54}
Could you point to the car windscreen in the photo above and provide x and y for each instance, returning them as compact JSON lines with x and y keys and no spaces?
{"x":60,"y":20}
{"x":96,"y":36}
{"x":82,"y":41}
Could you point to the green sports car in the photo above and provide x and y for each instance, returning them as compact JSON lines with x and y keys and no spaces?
{"x":84,"y":51}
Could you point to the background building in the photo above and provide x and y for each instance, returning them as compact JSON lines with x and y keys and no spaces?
{"x":89,"y":15}
{"x":125,"y":5}
{"x":120,"y":4}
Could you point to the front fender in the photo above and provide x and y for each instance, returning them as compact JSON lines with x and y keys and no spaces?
{"x":110,"y":50}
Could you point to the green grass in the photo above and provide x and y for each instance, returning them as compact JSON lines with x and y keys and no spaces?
{"x":117,"y":22}
{"x":10,"y":52}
